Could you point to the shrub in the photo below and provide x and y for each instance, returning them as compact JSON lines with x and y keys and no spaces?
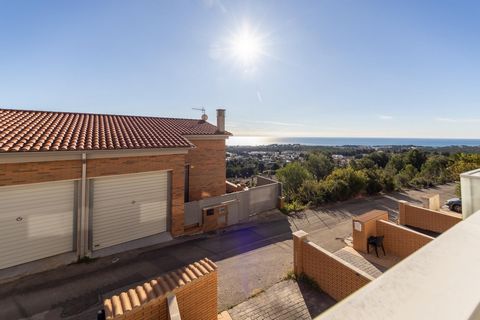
{"x":355,"y":180}
{"x":292,"y":176}
{"x":337,"y":190}
{"x":421,"y":182}
{"x":463,"y":163}
{"x":374,"y":183}
{"x":312,"y":192}
{"x":435,"y":169}
{"x":405,"y":176}
{"x":458,"y":189}
{"x":294,"y":206}
{"x":319,"y":165}
{"x":388,"y":181}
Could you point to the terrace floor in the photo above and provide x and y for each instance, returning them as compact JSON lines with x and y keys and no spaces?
{"x":285,"y":300}
{"x":369,"y":263}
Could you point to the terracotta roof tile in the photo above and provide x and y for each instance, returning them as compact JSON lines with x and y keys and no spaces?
{"x":30,"y":131}
{"x":159,"y":287}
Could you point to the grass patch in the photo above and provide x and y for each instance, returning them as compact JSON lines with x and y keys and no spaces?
{"x":290,"y":276}
{"x":302,"y":278}
{"x":293,"y":207}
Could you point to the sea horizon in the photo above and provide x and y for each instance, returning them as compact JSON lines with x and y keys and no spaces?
{"x":351,"y":141}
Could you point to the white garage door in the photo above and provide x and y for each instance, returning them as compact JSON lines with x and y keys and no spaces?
{"x":36,"y":221}
{"x":128,"y":207}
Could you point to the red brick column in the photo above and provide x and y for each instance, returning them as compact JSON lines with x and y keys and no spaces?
{"x":298,"y":238}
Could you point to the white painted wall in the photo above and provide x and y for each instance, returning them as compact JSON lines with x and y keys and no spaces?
{"x":470,"y":182}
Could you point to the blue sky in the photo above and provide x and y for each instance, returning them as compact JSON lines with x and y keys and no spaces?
{"x":326,"y":68}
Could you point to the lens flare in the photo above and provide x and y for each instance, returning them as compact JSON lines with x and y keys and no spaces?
{"x":246,"y":47}
{"x":243,"y":47}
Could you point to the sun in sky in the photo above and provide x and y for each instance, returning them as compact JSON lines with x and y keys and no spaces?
{"x":244,"y":47}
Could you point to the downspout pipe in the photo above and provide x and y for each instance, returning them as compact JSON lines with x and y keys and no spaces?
{"x":83,"y":239}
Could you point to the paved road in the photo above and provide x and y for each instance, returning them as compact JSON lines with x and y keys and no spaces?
{"x":253,"y":258}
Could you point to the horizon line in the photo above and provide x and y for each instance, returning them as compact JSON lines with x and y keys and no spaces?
{"x":351,"y":137}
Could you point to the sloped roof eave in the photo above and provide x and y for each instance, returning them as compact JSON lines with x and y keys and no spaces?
{"x":45,"y":131}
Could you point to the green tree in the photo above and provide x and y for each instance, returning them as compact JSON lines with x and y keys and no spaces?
{"x":434,"y":170}
{"x":416,"y":158}
{"x":463,"y":163}
{"x":395,"y":164}
{"x":355,"y":180}
{"x":319,"y":165}
{"x":292,"y":176}
{"x":364,"y":163}
{"x":380,"y":158}
{"x":374,"y":183}
{"x":405,"y":176}
{"x":388,"y":181}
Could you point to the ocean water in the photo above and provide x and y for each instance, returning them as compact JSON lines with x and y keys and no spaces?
{"x":339,"y":141}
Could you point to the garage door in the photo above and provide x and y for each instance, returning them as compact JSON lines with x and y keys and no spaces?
{"x":128,"y":207}
{"x":36,"y":221}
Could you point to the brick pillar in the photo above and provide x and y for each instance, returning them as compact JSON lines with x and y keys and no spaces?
{"x":298,"y":238}
{"x":401,"y":212}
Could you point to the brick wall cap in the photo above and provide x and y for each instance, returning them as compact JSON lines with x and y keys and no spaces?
{"x":300,"y":234}
{"x":131,"y":299}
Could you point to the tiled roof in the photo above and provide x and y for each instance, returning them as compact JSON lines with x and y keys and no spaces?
{"x":156,"y":288}
{"x":22,"y":130}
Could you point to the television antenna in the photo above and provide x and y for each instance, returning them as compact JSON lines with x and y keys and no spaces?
{"x":204,"y":115}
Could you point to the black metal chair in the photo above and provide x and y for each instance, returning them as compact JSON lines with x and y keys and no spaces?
{"x":375,"y":242}
{"x":101,"y":314}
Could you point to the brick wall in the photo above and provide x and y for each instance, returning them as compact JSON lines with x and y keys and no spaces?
{"x":207,"y":173}
{"x":426,"y":219}
{"x":400,"y":241}
{"x":196,"y":297}
{"x":207,"y":169}
{"x":366,"y":227}
{"x":33,"y":172}
{"x":333,"y":275}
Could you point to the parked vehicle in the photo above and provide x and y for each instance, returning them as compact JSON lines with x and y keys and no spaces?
{"x":454,"y":204}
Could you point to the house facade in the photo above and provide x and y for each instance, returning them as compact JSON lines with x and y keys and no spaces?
{"x":72,"y":184}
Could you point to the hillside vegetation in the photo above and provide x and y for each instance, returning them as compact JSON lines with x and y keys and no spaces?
{"x":317,"y":180}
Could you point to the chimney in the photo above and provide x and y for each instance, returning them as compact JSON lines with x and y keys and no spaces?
{"x":220,"y":120}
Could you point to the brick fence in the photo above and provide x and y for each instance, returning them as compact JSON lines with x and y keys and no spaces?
{"x":195,"y":288}
{"x":426,"y":219}
{"x":400,"y":241}
{"x":334,"y":276}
